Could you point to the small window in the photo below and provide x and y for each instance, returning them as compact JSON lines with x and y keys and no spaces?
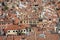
{"x":11,"y":9}
{"x":30,"y":22}
{"x":30,"y":30}
{"x":24,"y":30}
{"x":24,"y":21}
{"x":2,"y":9}
{"x":49,"y":19}
{"x":3,"y":3}
{"x":36,"y":5}
{"x":40,"y":20}
{"x":20,"y":21}
{"x":8,"y":31}
{"x":34,"y":22}
{"x":13,"y":31}
{"x":42,"y":35}
{"x":16,"y":31}
{"x":33,"y":25}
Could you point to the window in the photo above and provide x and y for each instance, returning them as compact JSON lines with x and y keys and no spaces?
{"x":16,"y":31}
{"x":13,"y":31}
{"x":30,"y":22}
{"x":33,"y":25}
{"x":8,"y":31}
{"x":40,"y":19}
{"x":29,"y":30}
{"x":3,"y":3}
{"x":36,"y":5}
{"x":24,"y":21}
{"x":49,"y":19}
{"x":34,"y":22}
{"x":20,"y":21}
{"x":11,"y":9}
{"x":24,"y":30}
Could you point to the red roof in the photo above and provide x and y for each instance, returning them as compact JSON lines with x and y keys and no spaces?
{"x":12,"y":27}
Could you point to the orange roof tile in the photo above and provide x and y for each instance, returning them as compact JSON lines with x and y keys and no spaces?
{"x":12,"y":27}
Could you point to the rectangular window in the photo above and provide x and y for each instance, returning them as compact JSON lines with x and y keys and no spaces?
{"x":20,"y":21}
{"x":30,"y":22}
{"x":25,"y":22}
{"x":34,"y":22}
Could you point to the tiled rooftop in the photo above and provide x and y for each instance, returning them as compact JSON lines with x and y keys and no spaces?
{"x":29,"y":19}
